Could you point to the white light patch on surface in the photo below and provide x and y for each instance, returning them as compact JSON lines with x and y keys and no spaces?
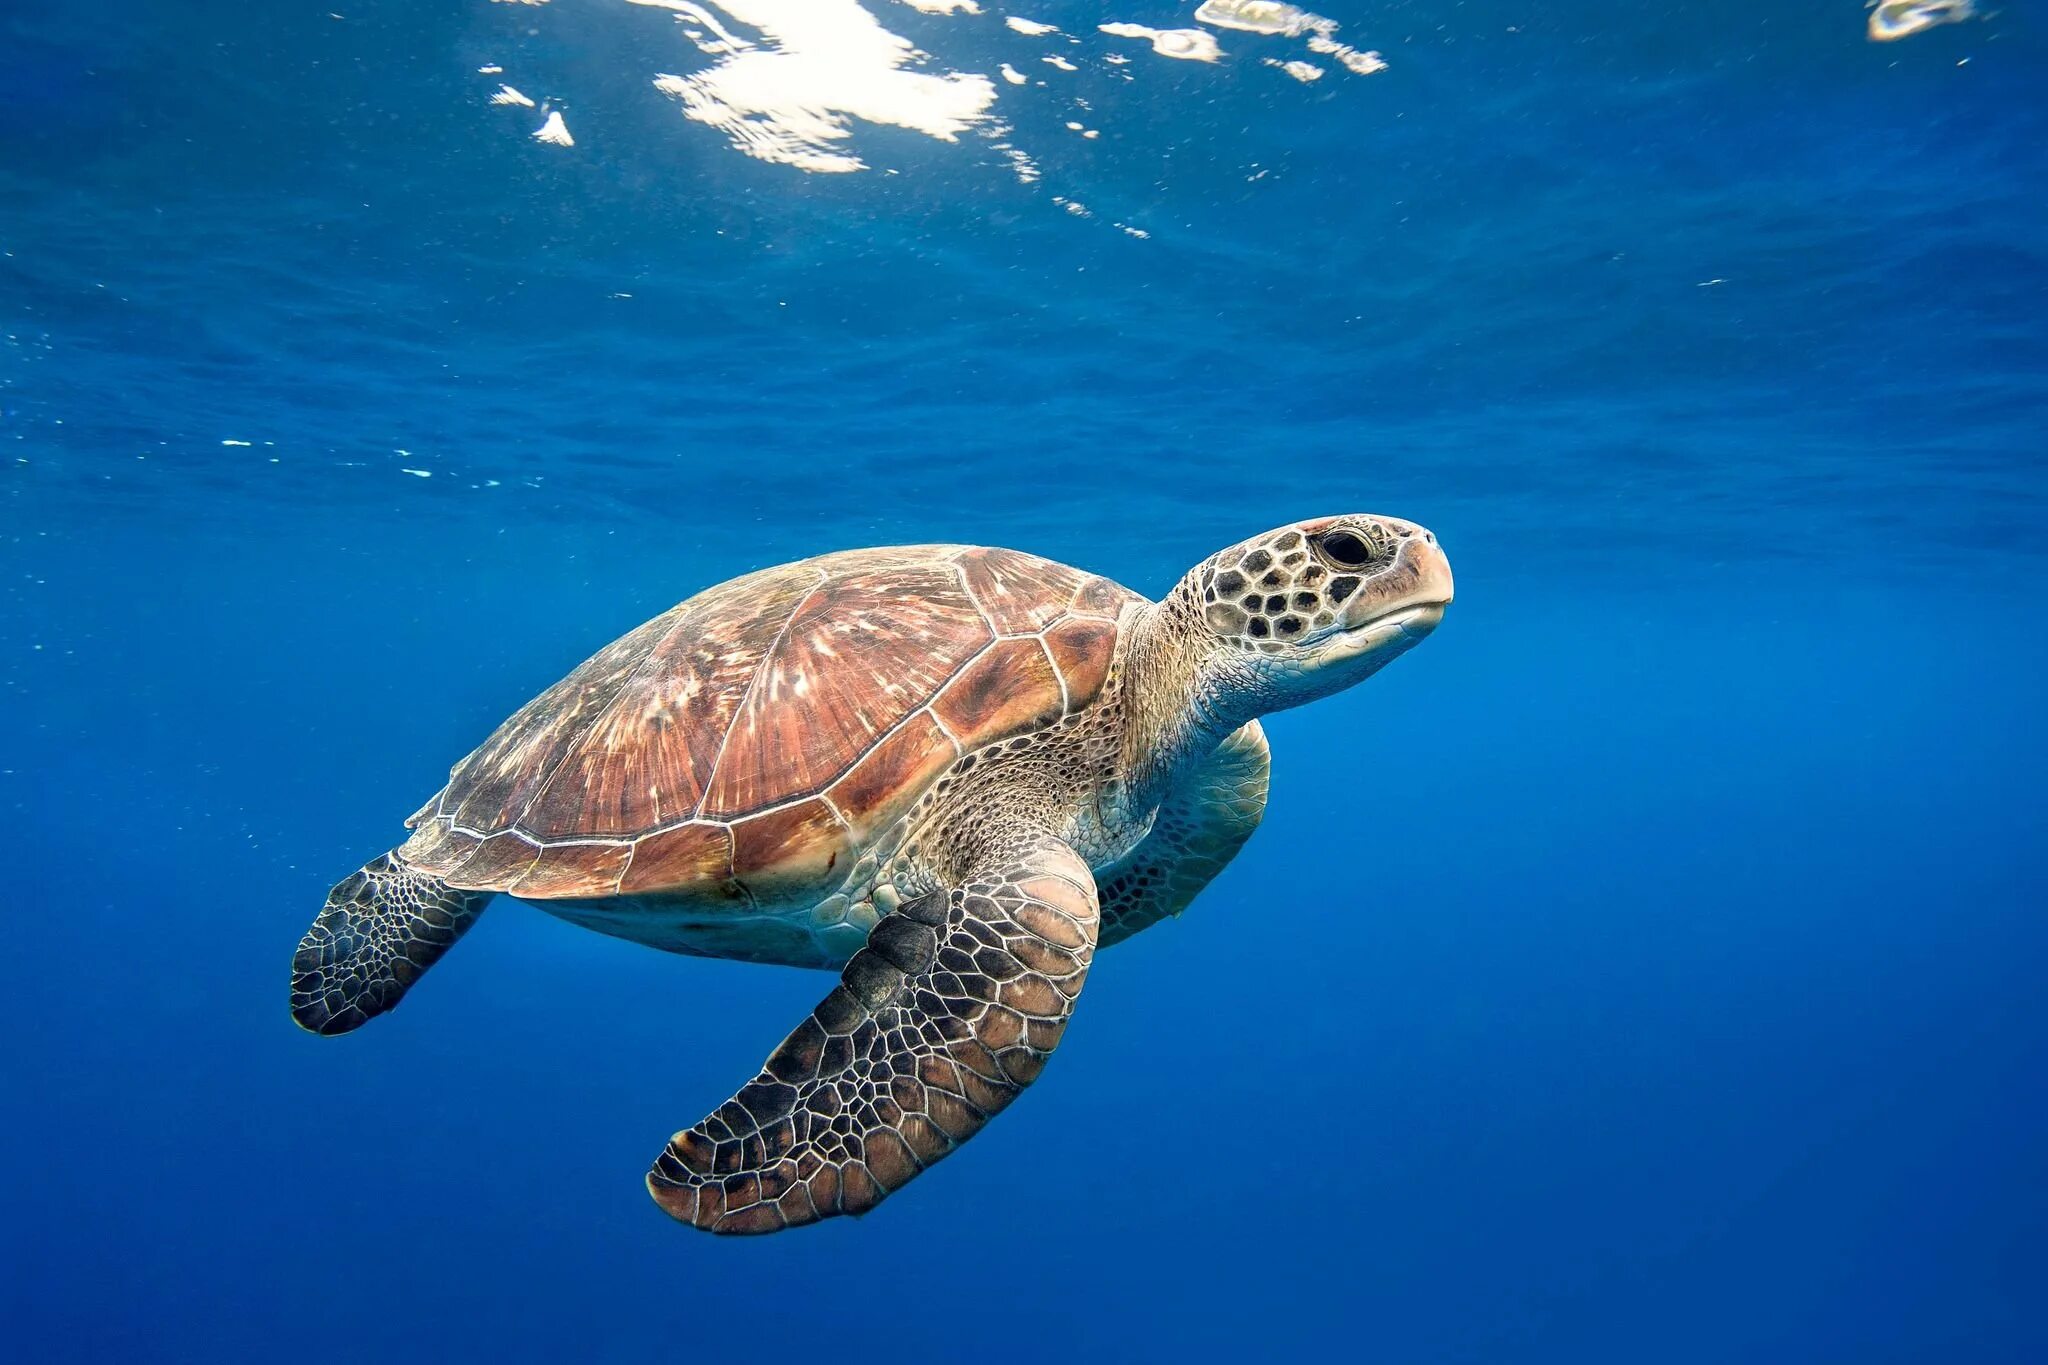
{"x":792,"y":95}
{"x":1354,"y":61}
{"x":1020,"y":162}
{"x":1301,"y":71}
{"x":797,"y":82}
{"x":1256,"y":16}
{"x":1891,"y":20}
{"x":1188,"y":44}
{"x":1273,"y":19}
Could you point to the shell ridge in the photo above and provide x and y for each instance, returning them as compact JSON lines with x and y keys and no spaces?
{"x":967,"y":587}
{"x":824,"y":789}
{"x":959,"y":749}
{"x":1052,"y":660}
{"x":760,"y":671}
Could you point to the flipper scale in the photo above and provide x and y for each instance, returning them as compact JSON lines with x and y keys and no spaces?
{"x":382,"y":926}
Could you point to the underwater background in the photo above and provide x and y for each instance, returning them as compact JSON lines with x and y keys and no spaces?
{"x":1649,"y":967}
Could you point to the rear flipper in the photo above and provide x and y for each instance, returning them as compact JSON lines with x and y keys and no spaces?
{"x":381,"y":928}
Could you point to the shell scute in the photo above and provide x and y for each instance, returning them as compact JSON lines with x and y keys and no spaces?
{"x":857,"y":657}
{"x":885,"y":783}
{"x":687,"y":855}
{"x":436,"y":846}
{"x":800,"y":843}
{"x":1022,"y":594}
{"x":1102,"y":597}
{"x":1009,"y":688}
{"x":495,"y":785}
{"x":1082,"y":647}
{"x":497,"y":861}
{"x":622,"y":744}
{"x":573,"y":870}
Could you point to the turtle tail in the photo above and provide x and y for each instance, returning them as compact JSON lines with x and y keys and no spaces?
{"x":380,"y":929}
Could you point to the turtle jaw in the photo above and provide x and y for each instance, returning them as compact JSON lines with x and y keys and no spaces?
{"x":1374,"y":643}
{"x":1398,"y":608}
{"x":1402,"y":626}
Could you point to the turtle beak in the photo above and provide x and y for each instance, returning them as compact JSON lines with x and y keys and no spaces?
{"x":1407,"y":598}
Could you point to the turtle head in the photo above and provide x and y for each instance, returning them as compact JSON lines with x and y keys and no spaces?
{"x":1310,"y":609}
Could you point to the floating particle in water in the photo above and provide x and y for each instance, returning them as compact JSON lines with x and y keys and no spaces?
{"x":418,"y":473}
{"x":554,"y":131}
{"x":944,"y":6}
{"x":230,"y":441}
{"x":1013,"y":75}
{"x":1301,"y":71}
{"x":493,"y":70}
{"x":1891,"y":20}
{"x":1061,"y":62}
{"x":1030,"y":28}
{"x":507,"y":95}
{"x":1187,"y":44}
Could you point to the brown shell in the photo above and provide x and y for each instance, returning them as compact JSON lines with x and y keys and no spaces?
{"x":745,"y":741}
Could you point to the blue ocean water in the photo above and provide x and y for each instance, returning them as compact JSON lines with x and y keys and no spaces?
{"x":1647,"y":968}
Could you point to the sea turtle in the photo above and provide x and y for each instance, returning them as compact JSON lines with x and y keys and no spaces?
{"x":949,"y":772}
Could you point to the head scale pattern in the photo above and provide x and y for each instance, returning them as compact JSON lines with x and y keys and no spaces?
{"x":1292,"y":584}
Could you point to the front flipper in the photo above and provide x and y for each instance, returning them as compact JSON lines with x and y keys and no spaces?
{"x":1199,"y":829}
{"x":949,"y":1011}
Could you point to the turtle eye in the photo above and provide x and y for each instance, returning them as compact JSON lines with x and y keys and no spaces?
{"x":1346,"y":549}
